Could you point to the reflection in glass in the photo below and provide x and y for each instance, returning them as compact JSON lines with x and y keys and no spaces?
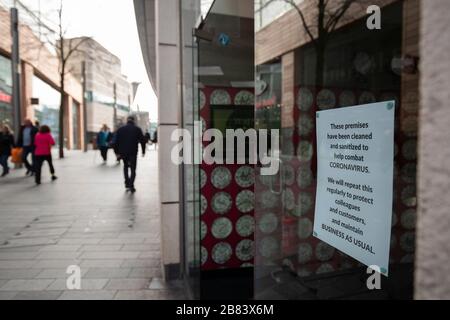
{"x":355,"y":67}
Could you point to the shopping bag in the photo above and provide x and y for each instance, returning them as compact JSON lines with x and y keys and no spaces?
{"x":16,"y":155}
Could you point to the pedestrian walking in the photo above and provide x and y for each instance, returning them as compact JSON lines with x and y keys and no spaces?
{"x":6,"y":145}
{"x":44,"y":143}
{"x":113,"y":145}
{"x":25,"y":141}
{"x":155,"y":138}
{"x":126,"y":141}
{"x":103,"y":142}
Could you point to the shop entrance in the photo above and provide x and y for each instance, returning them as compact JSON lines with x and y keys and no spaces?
{"x":225,"y":78}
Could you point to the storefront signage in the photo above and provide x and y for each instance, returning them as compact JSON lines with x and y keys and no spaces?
{"x":355,"y":152}
{"x":4,"y":97}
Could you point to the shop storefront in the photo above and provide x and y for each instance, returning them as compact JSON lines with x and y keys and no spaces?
{"x":351,"y":66}
{"x":6,"y":116}
{"x":265,"y":224}
{"x":336,"y":209}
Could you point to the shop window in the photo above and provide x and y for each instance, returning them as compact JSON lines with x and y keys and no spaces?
{"x":47,"y":112}
{"x":358,"y":69}
{"x":5,"y":91}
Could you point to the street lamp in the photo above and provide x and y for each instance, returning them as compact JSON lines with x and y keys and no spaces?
{"x":135,"y":85}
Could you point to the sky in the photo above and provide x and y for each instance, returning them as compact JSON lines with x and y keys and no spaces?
{"x":111,"y":23}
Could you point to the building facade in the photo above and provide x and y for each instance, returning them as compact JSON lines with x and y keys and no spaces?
{"x":142,"y":120}
{"x":231,"y":226}
{"x":108,"y":92}
{"x":40,"y":81}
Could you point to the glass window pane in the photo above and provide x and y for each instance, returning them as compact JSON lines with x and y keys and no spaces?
{"x":346,"y":65}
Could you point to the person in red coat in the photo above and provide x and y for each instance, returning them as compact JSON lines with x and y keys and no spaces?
{"x":43,"y":143}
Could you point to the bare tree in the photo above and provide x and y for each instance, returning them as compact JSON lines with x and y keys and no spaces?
{"x":55,"y":35}
{"x":65,"y":48}
{"x":327,"y":16}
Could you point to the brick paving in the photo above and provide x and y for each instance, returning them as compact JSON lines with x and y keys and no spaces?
{"x":85,"y":218}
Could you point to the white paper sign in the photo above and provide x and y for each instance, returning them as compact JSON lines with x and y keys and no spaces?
{"x":355,"y":154}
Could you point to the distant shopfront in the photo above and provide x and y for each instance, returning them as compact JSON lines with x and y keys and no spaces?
{"x":47,"y":111}
{"x":39,"y":81}
{"x":6,"y":116}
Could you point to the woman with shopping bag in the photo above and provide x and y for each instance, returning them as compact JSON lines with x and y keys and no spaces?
{"x":16,"y":156}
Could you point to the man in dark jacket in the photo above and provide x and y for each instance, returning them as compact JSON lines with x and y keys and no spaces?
{"x":26,"y":142}
{"x":126,"y":141}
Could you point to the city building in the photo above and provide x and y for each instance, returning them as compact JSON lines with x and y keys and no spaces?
{"x":142,"y":119}
{"x":256,"y":238}
{"x":108,"y":92}
{"x":40,"y":81}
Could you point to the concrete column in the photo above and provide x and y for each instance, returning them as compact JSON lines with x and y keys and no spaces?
{"x":81,"y":126}
{"x":167,"y":70}
{"x":27,"y":109}
{"x":433,"y":236}
{"x":68,"y":126}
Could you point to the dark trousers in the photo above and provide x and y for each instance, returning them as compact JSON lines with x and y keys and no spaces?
{"x":129,"y":165}
{"x":104,"y":153}
{"x":4,"y":162}
{"x":39,"y":162}
{"x":25,"y":152}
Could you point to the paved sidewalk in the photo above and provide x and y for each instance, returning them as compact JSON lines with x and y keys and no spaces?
{"x":85,"y":218}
